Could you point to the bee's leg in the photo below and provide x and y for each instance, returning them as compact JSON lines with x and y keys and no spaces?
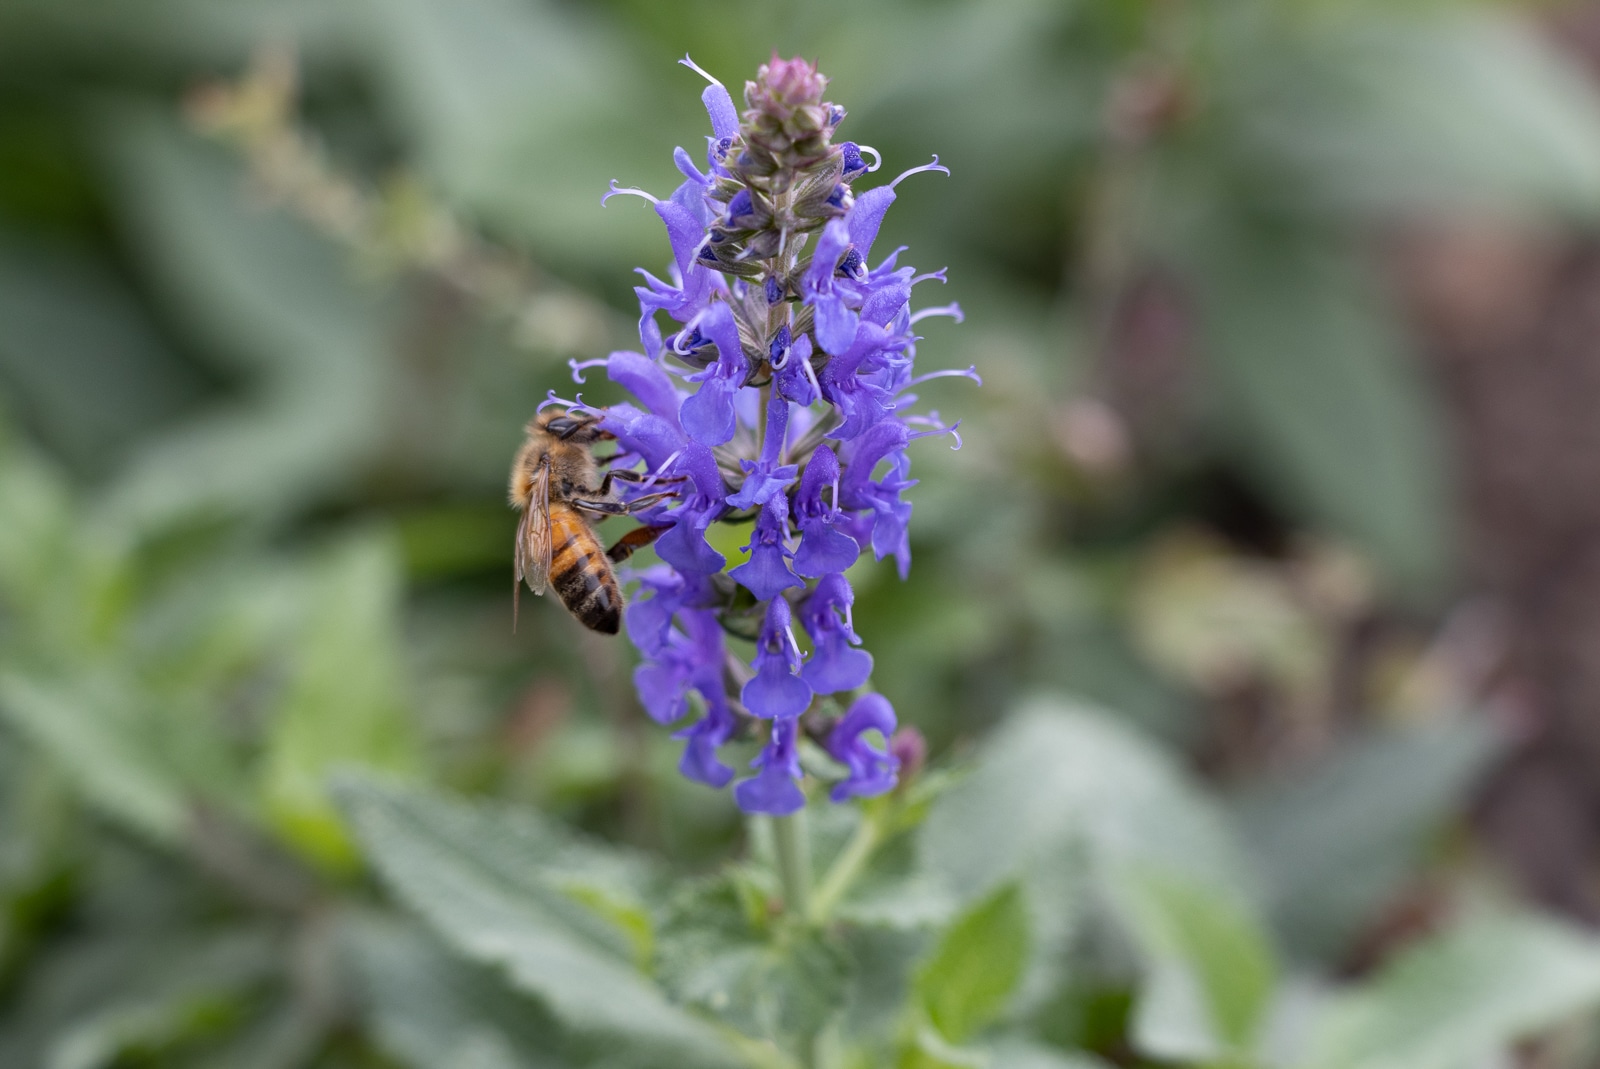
{"x":635,"y":540}
{"x":632,"y":477}
{"x":600,"y":508}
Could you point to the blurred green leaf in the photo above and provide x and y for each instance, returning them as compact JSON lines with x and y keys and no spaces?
{"x":99,"y":734}
{"x":259,"y":289}
{"x":977,"y":965}
{"x":783,"y":984}
{"x":431,"y":1010}
{"x":1462,"y":111}
{"x":1210,"y":972}
{"x":1462,"y":997}
{"x":490,"y":881}
{"x":515,"y":106}
{"x":1059,"y":773}
{"x":82,"y":354}
{"x":1319,"y":398}
{"x":1332,"y":843}
{"x":346,"y":702}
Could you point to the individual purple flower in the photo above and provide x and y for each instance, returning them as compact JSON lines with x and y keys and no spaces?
{"x":782,"y":336}
{"x":873,"y":769}
{"x":775,"y":788}
{"x":767,"y":574}
{"x":836,"y":664}
{"x":820,"y":288}
{"x":824,"y":548}
{"x":765,"y":479}
{"x":776,"y":692}
{"x":685,"y":546}
{"x":708,"y":414}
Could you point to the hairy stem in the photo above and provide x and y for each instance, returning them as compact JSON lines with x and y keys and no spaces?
{"x":794,"y":862}
{"x":845,"y":868}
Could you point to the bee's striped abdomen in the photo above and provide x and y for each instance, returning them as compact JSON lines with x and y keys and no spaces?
{"x":581,"y":573}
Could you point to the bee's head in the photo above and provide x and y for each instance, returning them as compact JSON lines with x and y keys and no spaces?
{"x":571,"y":426}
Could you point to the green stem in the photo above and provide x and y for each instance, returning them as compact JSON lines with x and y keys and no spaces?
{"x":794,"y":862}
{"x":845,"y":868}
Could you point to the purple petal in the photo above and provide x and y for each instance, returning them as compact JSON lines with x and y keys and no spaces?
{"x":823,"y":550}
{"x":646,"y":380}
{"x":835,"y":325}
{"x":719,"y":105}
{"x":836,"y":666}
{"x":707,"y":414}
{"x":766,"y":574}
{"x":662,"y":691}
{"x":775,"y":789}
{"x":686,"y":549}
{"x":866,"y":217}
{"x":775,"y":693}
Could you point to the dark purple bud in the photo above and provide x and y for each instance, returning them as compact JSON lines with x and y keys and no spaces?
{"x":774,"y":289}
{"x":850,"y":157}
{"x":836,"y":115}
{"x":740,"y":206}
{"x":910,"y":748}
{"x":852,"y":266}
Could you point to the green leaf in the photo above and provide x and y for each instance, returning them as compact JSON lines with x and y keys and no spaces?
{"x":782,"y":984}
{"x":345,"y":703}
{"x":429,"y":1009}
{"x":1319,"y":397}
{"x":1060,"y":775}
{"x":476,"y":81}
{"x":1462,"y":997}
{"x":1472,"y":111}
{"x":977,"y":966}
{"x":496,"y":884}
{"x":97,"y":731}
{"x":259,"y":289}
{"x":1333,"y":843}
{"x":1210,"y":972}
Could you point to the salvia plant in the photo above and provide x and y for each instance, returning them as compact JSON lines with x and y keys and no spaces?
{"x":782,"y":401}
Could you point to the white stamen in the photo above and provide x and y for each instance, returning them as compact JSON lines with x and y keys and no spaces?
{"x":951,"y":310}
{"x":934,"y":166}
{"x":951,"y":373}
{"x":578,"y":366}
{"x":701,"y":71}
{"x":877,"y":158}
{"x":617,"y":191}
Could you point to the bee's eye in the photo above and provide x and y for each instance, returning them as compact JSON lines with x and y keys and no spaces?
{"x":562,"y":426}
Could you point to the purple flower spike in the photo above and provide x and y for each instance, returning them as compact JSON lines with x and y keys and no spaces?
{"x":824,"y":549}
{"x":766,"y":574}
{"x":835,"y":665}
{"x":776,"y":692}
{"x":775,"y":789}
{"x":781,"y":332}
{"x":872,"y":770}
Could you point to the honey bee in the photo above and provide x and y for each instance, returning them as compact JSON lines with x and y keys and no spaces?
{"x":556,"y":482}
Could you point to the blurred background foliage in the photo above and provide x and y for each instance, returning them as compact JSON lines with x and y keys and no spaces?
{"x":1273,"y":521}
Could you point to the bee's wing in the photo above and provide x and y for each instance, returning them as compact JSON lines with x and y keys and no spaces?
{"x":533,"y":533}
